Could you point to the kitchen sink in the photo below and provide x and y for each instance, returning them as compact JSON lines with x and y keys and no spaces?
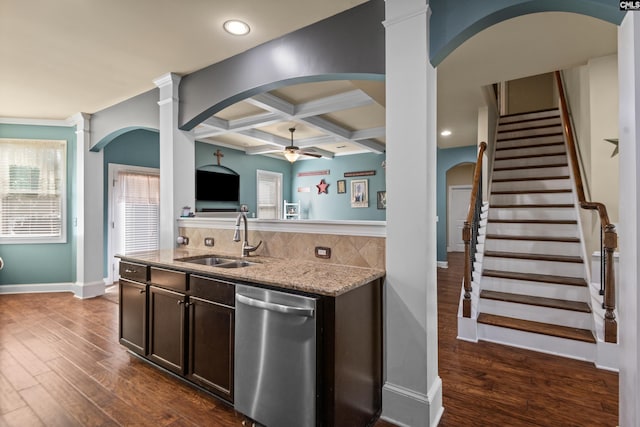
{"x":215,"y":261}
{"x":236,"y":264}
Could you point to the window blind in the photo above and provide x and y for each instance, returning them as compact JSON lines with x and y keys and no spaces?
{"x":140,"y":199}
{"x":32,"y":190}
{"x":269,"y":194}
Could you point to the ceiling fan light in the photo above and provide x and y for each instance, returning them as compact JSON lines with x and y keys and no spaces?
{"x":292,"y":156}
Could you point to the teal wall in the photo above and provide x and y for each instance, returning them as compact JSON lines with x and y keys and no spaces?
{"x":448,"y":158}
{"x":453,"y":22}
{"x":135,"y":148}
{"x":334,"y":206}
{"x":245,"y":166}
{"x":55,"y":261}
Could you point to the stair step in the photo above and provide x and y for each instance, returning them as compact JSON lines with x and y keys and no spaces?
{"x":504,"y":147}
{"x":532,"y":178}
{"x":533,"y":191}
{"x":534,"y":221}
{"x":549,"y":165}
{"x":538,"y":114}
{"x":561,"y":304}
{"x":530,"y":126}
{"x":531,"y":122}
{"x":542,"y":173}
{"x":537,"y":327}
{"x":532,"y":206}
{"x":531,"y":155}
{"x":515,"y":138}
{"x":543,"y":278}
{"x":535,"y":257}
{"x":534,"y":238}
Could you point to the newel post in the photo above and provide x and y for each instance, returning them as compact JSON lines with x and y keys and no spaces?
{"x":466,"y":281}
{"x":610,"y":323}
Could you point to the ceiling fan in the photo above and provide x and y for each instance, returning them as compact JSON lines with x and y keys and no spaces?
{"x":291,"y":152}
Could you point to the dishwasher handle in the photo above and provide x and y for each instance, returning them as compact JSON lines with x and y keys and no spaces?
{"x":279,"y":308}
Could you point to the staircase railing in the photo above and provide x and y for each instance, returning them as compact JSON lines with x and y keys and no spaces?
{"x":470,"y":231}
{"x":608,"y":235}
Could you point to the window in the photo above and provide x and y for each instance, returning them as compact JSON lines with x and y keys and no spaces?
{"x":139,"y":211}
{"x":269,"y":194}
{"x":33,"y":191}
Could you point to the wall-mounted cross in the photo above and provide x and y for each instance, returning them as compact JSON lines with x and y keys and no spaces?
{"x":219,"y":155}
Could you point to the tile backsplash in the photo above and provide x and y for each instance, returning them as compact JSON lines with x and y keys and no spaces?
{"x":347,"y":250}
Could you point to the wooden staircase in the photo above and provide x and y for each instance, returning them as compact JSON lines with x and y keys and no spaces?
{"x":533,"y":287}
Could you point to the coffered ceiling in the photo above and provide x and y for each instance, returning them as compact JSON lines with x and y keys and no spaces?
{"x":64,"y":57}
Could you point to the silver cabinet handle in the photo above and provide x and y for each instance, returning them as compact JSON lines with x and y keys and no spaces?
{"x":279,"y":308}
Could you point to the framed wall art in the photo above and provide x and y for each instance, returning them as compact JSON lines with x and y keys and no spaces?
{"x":360,"y":193}
{"x":342,"y":186}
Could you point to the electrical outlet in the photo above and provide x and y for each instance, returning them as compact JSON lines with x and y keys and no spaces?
{"x":323,"y":252}
{"x":208,"y":241}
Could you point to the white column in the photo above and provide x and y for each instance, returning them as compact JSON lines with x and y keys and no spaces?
{"x":629,"y":225}
{"x":87,"y":222}
{"x":177,"y":161}
{"x":412,"y":394}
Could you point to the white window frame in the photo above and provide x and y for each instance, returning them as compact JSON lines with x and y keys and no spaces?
{"x":279,"y":178}
{"x":30,"y":239}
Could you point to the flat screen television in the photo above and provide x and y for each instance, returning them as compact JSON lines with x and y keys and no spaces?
{"x":217,"y":186}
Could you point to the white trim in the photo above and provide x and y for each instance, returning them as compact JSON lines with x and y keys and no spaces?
{"x":80,"y":290}
{"x":350,"y":228}
{"x":414,"y":405}
{"x":36,"y":288}
{"x":37,"y":122}
{"x":442,"y":264}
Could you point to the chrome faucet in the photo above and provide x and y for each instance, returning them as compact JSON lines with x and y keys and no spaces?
{"x":246,"y":247}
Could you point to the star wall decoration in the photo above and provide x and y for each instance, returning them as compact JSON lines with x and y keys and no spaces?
{"x":322,"y":187}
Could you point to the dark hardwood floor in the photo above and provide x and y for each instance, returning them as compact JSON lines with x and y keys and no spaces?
{"x":61,"y":365}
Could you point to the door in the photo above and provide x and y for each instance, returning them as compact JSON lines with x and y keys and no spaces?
{"x":133,"y":315}
{"x":134,"y":212}
{"x":457,"y":211}
{"x":166,"y":328}
{"x":210,"y":347}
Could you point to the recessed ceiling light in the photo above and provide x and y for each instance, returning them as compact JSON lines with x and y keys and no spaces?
{"x":236,"y":27}
{"x":445,"y":132}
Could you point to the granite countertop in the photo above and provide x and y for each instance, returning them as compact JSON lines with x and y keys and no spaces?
{"x":306,"y":276}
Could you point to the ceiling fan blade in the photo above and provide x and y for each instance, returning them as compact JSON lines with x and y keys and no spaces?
{"x":306,"y":153}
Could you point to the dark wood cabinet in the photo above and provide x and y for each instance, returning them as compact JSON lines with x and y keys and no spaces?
{"x":210,"y":349}
{"x":133,"y":306}
{"x":167,"y":328}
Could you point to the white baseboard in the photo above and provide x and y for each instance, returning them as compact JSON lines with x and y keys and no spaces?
{"x":442,"y":264}
{"x":80,"y":290}
{"x":407,"y":408}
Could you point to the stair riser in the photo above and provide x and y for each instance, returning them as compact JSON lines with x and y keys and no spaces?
{"x":533,"y":123}
{"x":531,"y":151}
{"x":538,"y":184}
{"x":554,"y":268}
{"x":530,"y":161}
{"x":554,"y":316}
{"x":533,"y":247}
{"x":509,"y":145}
{"x":545,"y":344}
{"x":531,"y":199}
{"x":530,"y":132}
{"x":531,"y":173}
{"x":557,"y":230}
{"x":555,"y":214}
{"x":537,"y":289}
{"x":529,"y":116}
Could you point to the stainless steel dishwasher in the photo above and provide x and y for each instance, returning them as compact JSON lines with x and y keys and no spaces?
{"x":275,"y":357}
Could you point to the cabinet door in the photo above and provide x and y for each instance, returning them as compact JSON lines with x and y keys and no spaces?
{"x":166,"y":328}
{"x":133,"y":316}
{"x":211,"y":328}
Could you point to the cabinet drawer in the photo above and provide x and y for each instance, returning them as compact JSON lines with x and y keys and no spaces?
{"x":213,"y":290}
{"x":134,"y":271}
{"x":169,"y":278}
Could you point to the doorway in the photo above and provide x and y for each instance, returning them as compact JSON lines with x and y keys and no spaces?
{"x":134,"y":212}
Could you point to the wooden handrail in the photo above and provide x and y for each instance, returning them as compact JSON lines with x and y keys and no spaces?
{"x":610,"y":241}
{"x":466,"y":233}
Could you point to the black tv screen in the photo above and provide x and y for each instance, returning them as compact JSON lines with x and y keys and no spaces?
{"x":217,"y":187}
